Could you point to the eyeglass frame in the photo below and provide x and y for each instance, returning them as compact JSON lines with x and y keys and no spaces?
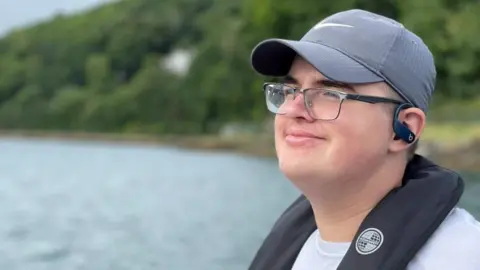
{"x":344,"y":96}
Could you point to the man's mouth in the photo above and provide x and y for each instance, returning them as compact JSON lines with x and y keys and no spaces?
{"x":301,"y":138}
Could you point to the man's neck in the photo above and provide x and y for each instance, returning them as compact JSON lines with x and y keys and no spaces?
{"x":341,"y":206}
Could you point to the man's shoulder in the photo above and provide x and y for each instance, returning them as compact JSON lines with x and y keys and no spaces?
{"x":455,"y":244}
{"x":458,"y":227}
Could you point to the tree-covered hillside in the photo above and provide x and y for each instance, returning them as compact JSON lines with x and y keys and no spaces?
{"x":107,"y":69}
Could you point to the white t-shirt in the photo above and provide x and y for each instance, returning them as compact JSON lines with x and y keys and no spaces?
{"x":455,"y":245}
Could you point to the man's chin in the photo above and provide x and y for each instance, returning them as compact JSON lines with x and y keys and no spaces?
{"x":299,"y":170}
{"x":301,"y":151}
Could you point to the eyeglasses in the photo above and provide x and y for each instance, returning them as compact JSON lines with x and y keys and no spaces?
{"x":321,"y":103}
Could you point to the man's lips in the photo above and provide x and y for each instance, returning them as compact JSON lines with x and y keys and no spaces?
{"x":301,"y":133}
{"x":301,"y":137}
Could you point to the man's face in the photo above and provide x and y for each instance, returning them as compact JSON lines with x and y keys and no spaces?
{"x":351,"y":145}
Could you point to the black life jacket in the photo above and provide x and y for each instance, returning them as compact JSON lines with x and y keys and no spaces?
{"x":391,"y":234}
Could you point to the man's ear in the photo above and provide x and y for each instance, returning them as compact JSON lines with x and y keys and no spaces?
{"x":414,"y":119}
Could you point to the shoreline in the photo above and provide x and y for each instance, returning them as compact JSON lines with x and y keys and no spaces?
{"x":254,"y":145}
{"x":464,"y":156}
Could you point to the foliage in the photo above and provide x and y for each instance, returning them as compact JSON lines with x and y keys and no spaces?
{"x":103,"y":70}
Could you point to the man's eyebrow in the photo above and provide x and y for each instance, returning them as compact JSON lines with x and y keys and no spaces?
{"x":289,"y":79}
{"x":322,"y":83}
{"x":330,"y":83}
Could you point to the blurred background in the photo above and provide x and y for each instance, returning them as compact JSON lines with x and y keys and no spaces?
{"x":134,"y":133}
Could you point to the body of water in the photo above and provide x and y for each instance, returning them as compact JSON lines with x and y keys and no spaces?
{"x":97,"y":206}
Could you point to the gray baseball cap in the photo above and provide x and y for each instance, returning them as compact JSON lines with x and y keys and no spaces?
{"x":355,"y":47}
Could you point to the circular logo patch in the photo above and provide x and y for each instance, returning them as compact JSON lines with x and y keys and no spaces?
{"x":369,"y":241}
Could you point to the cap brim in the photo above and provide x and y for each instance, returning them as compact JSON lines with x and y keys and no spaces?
{"x":274,"y":57}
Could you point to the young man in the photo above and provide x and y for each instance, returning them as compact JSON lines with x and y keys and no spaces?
{"x":349,"y":109}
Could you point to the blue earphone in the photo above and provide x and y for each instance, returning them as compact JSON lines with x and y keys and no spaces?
{"x":401,"y":130}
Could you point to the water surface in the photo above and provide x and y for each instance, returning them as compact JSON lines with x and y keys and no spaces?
{"x":98,"y":206}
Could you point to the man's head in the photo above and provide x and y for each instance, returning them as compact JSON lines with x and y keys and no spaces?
{"x":344,"y":61}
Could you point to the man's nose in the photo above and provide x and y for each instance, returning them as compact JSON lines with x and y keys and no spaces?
{"x":295,"y":108}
